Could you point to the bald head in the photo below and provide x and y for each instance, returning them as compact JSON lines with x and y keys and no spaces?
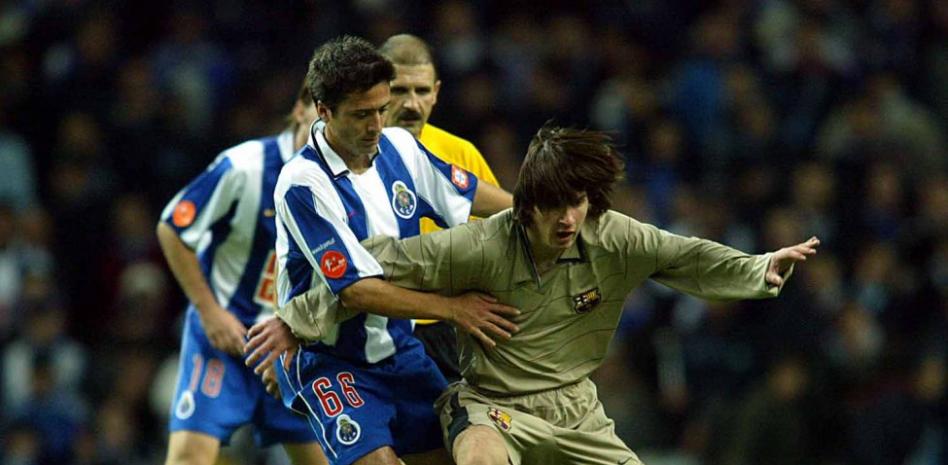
{"x":407,"y":50}
{"x":416,"y":85}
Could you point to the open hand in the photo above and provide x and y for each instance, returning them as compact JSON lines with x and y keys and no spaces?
{"x":483,"y":316}
{"x":786,"y":257}
{"x":267,"y":340}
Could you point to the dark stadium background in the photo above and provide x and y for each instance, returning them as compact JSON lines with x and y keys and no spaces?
{"x":754,"y":123}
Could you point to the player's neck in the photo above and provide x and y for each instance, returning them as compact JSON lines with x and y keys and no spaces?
{"x":356,"y":163}
{"x":544,"y":258}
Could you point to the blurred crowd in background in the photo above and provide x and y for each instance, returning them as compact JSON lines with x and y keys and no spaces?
{"x":754,"y":123}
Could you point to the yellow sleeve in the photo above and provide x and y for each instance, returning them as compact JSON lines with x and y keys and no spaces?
{"x":475,"y":163}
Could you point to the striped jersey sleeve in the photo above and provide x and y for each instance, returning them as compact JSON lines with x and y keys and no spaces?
{"x":447,"y":188}
{"x":316,"y":237}
{"x":200,"y":204}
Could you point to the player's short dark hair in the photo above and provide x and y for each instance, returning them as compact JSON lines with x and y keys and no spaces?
{"x":343,"y":66}
{"x":561,"y":165}
{"x":408,"y":50}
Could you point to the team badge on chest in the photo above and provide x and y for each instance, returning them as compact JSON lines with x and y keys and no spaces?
{"x":347,"y":430}
{"x":404,"y":201}
{"x":587,"y":300}
{"x":500,"y":418}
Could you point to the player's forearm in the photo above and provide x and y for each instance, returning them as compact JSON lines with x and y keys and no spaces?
{"x":186,"y":268}
{"x":374,"y":295}
{"x":710,"y":270}
{"x":489,"y":200}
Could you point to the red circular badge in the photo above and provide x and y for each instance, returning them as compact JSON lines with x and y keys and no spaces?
{"x":184,"y":213}
{"x":333,"y":264}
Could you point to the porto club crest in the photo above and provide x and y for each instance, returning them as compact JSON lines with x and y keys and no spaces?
{"x":404,"y":201}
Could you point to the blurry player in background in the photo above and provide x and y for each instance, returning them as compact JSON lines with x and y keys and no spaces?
{"x":218,"y":236}
{"x":414,"y":95}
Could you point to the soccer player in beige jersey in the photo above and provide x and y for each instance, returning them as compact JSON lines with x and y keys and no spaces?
{"x":567,"y":262}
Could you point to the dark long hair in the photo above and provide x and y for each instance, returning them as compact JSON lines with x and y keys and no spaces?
{"x":561,"y":165}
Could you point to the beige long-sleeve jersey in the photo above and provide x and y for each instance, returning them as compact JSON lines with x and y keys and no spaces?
{"x":570,"y":313}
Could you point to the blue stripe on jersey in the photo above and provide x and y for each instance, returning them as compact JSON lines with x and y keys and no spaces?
{"x":321,"y":238}
{"x":425,"y":209}
{"x":391,"y":168}
{"x":446,"y":170}
{"x":355,"y":210}
{"x":400,"y":330}
{"x":200,"y":190}
{"x":242,"y":303}
{"x":297,"y":268}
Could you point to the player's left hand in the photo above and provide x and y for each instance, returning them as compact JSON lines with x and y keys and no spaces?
{"x":267,"y":340}
{"x":787,"y":256}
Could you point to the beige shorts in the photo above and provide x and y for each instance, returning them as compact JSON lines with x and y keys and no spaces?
{"x":560,"y":426}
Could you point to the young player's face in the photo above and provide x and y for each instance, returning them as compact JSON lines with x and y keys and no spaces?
{"x":414,"y":94}
{"x":556,"y":229}
{"x":354,"y":128}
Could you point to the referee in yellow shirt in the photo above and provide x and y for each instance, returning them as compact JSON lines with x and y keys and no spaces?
{"x":414,"y":94}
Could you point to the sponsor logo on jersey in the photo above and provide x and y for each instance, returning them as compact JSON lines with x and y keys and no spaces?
{"x":333,"y":264}
{"x":403,"y":200}
{"x":347,"y":430}
{"x":500,"y":418}
{"x":184,"y":214}
{"x":185,"y":406}
{"x":265,"y":294}
{"x":324,"y":245}
{"x":459,"y":177}
{"x":587,"y":300}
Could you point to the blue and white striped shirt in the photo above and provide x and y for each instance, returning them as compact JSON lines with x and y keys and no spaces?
{"x":324,"y":210}
{"x":226,"y":215}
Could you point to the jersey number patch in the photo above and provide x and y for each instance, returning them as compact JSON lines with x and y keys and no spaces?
{"x":213,"y":376}
{"x":330,"y":401}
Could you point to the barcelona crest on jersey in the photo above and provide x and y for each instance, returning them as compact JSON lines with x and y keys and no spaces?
{"x":587,"y":300}
{"x":403,"y":200}
{"x":500,"y":418}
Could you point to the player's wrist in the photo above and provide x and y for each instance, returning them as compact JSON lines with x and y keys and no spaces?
{"x":440,"y":309}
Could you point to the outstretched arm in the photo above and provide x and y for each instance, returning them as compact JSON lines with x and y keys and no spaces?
{"x":709,"y":270}
{"x":473,"y":312}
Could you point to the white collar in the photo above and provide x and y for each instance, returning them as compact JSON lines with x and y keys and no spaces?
{"x":317,"y":139}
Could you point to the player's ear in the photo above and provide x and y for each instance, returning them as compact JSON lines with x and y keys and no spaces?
{"x":323,"y":111}
{"x":434,"y":91}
